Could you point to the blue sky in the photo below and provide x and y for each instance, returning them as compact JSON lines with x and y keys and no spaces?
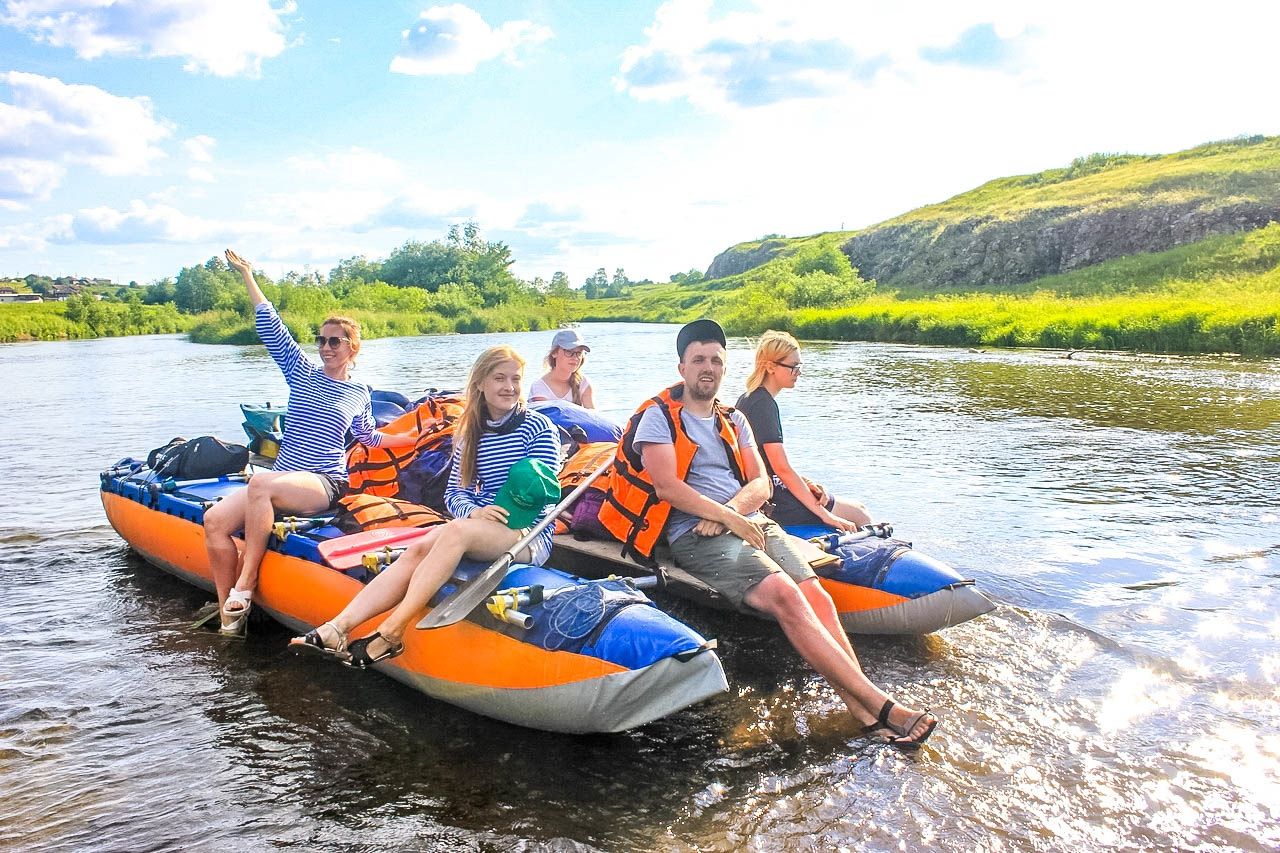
{"x":140,"y":136}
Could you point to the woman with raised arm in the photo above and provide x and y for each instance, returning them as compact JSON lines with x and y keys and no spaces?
{"x":310,"y":471}
{"x":796,"y":500}
{"x":563,"y":379}
{"x":494,"y":433}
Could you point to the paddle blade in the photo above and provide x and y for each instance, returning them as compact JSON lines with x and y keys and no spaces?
{"x":462,"y":603}
{"x":345,"y":552}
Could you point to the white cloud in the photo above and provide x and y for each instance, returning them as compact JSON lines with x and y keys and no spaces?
{"x":200,"y":175}
{"x":224,"y":38}
{"x":455,"y":40}
{"x":200,"y":148}
{"x":26,"y":179}
{"x":142,"y":223}
{"x":50,"y":124}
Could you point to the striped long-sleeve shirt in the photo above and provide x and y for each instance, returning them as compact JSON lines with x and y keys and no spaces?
{"x":536,"y":438}
{"x":320,"y":408}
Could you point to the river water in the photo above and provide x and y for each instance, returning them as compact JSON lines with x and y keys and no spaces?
{"x":1126,"y":694}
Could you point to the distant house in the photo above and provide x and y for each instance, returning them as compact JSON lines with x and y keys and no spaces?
{"x":62,"y":292}
{"x":7,"y":294}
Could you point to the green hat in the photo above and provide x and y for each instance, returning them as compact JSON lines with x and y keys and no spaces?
{"x":531,"y":485}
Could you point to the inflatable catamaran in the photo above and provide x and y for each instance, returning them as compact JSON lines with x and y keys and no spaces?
{"x":616,"y":663}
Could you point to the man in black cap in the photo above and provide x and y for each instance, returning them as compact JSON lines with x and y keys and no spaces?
{"x":688,"y":468}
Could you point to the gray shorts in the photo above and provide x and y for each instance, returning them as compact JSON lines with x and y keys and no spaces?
{"x":732,"y":567}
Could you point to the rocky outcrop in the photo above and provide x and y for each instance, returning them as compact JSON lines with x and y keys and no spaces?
{"x":992,"y":252}
{"x":743,"y":257}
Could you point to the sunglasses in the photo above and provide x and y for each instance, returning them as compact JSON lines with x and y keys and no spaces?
{"x":794,"y":368}
{"x":333,"y":341}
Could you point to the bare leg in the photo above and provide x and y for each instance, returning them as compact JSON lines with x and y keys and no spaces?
{"x":291,"y":491}
{"x":380,"y":594}
{"x":779,"y":596}
{"x":221,"y":521}
{"x":475,"y":538}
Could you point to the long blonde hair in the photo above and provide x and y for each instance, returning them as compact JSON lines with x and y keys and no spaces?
{"x":575,"y":378}
{"x":474,"y":409}
{"x":773,"y":347}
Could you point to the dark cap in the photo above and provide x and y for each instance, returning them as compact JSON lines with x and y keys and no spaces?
{"x":698,"y":331}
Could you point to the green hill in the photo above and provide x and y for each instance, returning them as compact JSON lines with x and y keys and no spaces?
{"x":1015,"y":230}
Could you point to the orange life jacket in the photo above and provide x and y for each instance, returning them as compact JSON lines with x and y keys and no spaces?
{"x":376,"y":470}
{"x":583,"y":462}
{"x":368,"y":512}
{"x":631,"y":511}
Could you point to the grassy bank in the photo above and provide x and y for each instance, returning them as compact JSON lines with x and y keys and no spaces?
{"x":1218,"y":295}
{"x":60,"y":321}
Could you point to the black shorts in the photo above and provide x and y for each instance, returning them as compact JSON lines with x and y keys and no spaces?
{"x":336,"y":487}
{"x":788,"y":510}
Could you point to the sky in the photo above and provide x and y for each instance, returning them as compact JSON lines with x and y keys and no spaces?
{"x":141,"y":136}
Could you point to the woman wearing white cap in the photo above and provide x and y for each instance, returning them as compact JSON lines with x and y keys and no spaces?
{"x":563,"y":379}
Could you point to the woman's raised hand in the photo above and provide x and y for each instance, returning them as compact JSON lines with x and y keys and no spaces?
{"x":246,"y":274}
{"x":238,"y":263}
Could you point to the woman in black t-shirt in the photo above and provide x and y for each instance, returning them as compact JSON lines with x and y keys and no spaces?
{"x":797,"y":500}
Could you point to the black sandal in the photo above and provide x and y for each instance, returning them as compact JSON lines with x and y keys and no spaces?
{"x":358,"y":652}
{"x":902,"y":741}
{"x":313,"y":642}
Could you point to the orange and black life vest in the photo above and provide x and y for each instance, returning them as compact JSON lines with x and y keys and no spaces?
{"x":369,"y":512}
{"x":632,"y":512}
{"x":583,"y":462}
{"x":377,"y":470}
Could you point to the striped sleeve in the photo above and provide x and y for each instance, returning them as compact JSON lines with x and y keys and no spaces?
{"x":365,"y":428}
{"x":459,"y":501}
{"x":275,"y":336}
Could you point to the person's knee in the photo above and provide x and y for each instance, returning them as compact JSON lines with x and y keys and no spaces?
{"x":259,"y":488}
{"x":455,"y":534}
{"x":220,"y":520}
{"x":777,"y":595}
{"x":421,"y":547}
{"x":813,"y":590}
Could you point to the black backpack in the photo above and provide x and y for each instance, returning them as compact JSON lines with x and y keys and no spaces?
{"x":197,"y":459}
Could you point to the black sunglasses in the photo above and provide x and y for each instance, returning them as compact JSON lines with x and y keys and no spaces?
{"x":794,"y":368}
{"x":332,"y":341}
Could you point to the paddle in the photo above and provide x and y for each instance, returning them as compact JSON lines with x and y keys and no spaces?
{"x":172,"y":485}
{"x":881,"y":530}
{"x":346,"y":552}
{"x":462,"y":603}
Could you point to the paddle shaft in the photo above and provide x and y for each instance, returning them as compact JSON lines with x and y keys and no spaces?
{"x":457,"y":607}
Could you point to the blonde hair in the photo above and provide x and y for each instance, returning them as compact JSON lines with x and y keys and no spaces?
{"x":474,"y":409}
{"x":772,"y":348}
{"x":575,"y":378}
{"x":351,"y":329}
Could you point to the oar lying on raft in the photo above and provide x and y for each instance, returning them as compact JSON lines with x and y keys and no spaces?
{"x":879,"y":530}
{"x":347,"y":552}
{"x":172,"y":485}
{"x":462,"y":603}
